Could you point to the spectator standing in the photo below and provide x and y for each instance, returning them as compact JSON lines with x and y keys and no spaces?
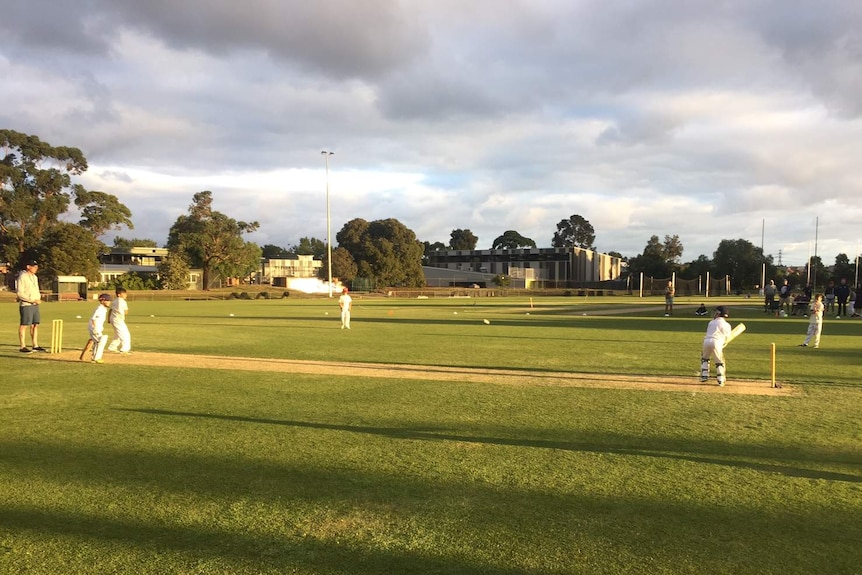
{"x":784,"y":293}
{"x":669,"y":292}
{"x":829,"y":297}
{"x":29,"y":298}
{"x":854,"y":301}
{"x":769,"y":296}
{"x":842,"y":296}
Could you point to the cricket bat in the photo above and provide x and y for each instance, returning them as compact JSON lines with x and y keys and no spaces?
{"x":86,"y":347}
{"x":740,"y":327}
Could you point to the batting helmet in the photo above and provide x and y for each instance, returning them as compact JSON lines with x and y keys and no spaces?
{"x":721,"y":311}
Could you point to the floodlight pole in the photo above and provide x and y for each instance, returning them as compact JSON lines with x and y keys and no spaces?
{"x":328,"y":224}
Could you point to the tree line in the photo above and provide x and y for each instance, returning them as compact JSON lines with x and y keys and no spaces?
{"x":37,"y":191}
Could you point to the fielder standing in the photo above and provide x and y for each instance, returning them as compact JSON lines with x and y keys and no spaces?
{"x":717,"y":333}
{"x":815,"y":322}
{"x":669,"y":292}
{"x":345,"y":302}
{"x":122,"y":342}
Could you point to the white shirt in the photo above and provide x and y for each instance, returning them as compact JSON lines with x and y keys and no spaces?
{"x":718,"y":330}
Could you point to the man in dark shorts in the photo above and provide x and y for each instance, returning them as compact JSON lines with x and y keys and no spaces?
{"x":29,"y":298}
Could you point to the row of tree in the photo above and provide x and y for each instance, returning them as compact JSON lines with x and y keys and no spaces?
{"x":37,"y":192}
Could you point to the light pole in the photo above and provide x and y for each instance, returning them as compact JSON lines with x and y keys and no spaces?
{"x":328,"y":224}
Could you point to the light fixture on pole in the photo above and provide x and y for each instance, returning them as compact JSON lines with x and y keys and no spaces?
{"x":328,"y":224}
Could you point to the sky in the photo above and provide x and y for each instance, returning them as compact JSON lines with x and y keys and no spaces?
{"x":708,"y":120}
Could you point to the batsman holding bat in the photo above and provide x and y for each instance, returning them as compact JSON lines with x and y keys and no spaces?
{"x":96,"y":326}
{"x":718,"y":334}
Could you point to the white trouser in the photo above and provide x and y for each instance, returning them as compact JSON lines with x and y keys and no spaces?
{"x":99,"y":343}
{"x":712,"y":349}
{"x":814,"y":329}
{"x":122,"y":337}
{"x":345,"y":318}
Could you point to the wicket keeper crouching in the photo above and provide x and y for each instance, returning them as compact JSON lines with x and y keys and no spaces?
{"x":717,"y":333}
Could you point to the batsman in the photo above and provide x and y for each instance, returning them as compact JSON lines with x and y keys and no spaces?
{"x":718,"y":335}
{"x":96,"y":326}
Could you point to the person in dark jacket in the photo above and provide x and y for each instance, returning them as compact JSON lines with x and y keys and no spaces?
{"x":842,"y":295}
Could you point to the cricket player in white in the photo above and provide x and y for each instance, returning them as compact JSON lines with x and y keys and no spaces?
{"x":345,"y":302}
{"x":122,"y":341}
{"x":815,"y":322}
{"x":717,"y":333}
{"x":97,"y":325}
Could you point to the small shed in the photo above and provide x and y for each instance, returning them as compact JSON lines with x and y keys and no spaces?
{"x":70,"y":288}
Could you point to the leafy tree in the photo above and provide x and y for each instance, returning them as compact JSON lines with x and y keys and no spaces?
{"x":512,"y":240}
{"x":384,"y":250}
{"x":69,"y":249}
{"x":462,"y":240}
{"x":574,"y":232}
{"x":502,"y":281}
{"x":816,"y":273}
{"x":133,"y":281}
{"x":652,"y":261}
{"x":101,"y":212}
{"x":36,"y":189}
{"x":213,"y":241}
{"x":430,"y":248}
{"x":174,"y":271}
{"x":696,"y":268}
{"x":134,"y":243}
{"x":741,"y":260}
{"x":659,"y":259}
{"x":271,"y":251}
{"x":672,"y":250}
{"x":343,"y":266}
{"x":844,"y":268}
{"x":310,"y":247}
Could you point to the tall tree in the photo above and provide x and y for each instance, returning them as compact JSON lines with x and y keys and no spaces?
{"x":343,"y":266}
{"x":652,"y":262}
{"x":574,"y":232}
{"x":462,"y":240}
{"x":844,"y":268}
{"x":101,"y":212}
{"x":213,"y":241}
{"x":384,"y":250}
{"x":430,"y":248}
{"x":36,"y":189}
{"x":512,"y":240}
{"x":271,"y":251}
{"x":134,"y":243}
{"x":672,"y":250}
{"x":69,"y":249}
{"x":174,"y":270}
{"x":741,"y":260}
{"x":310,"y":247}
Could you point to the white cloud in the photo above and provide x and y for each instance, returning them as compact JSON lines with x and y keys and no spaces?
{"x":705,"y":120}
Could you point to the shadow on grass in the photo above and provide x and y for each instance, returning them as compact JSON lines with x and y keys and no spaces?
{"x":556,"y":531}
{"x":412,"y":434}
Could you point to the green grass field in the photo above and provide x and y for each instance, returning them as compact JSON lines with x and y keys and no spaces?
{"x":154,"y":469}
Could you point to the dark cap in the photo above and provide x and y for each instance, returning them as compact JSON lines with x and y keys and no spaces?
{"x":722,"y":311}
{"x":32,"y":263}
{"x":104,"y":297}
